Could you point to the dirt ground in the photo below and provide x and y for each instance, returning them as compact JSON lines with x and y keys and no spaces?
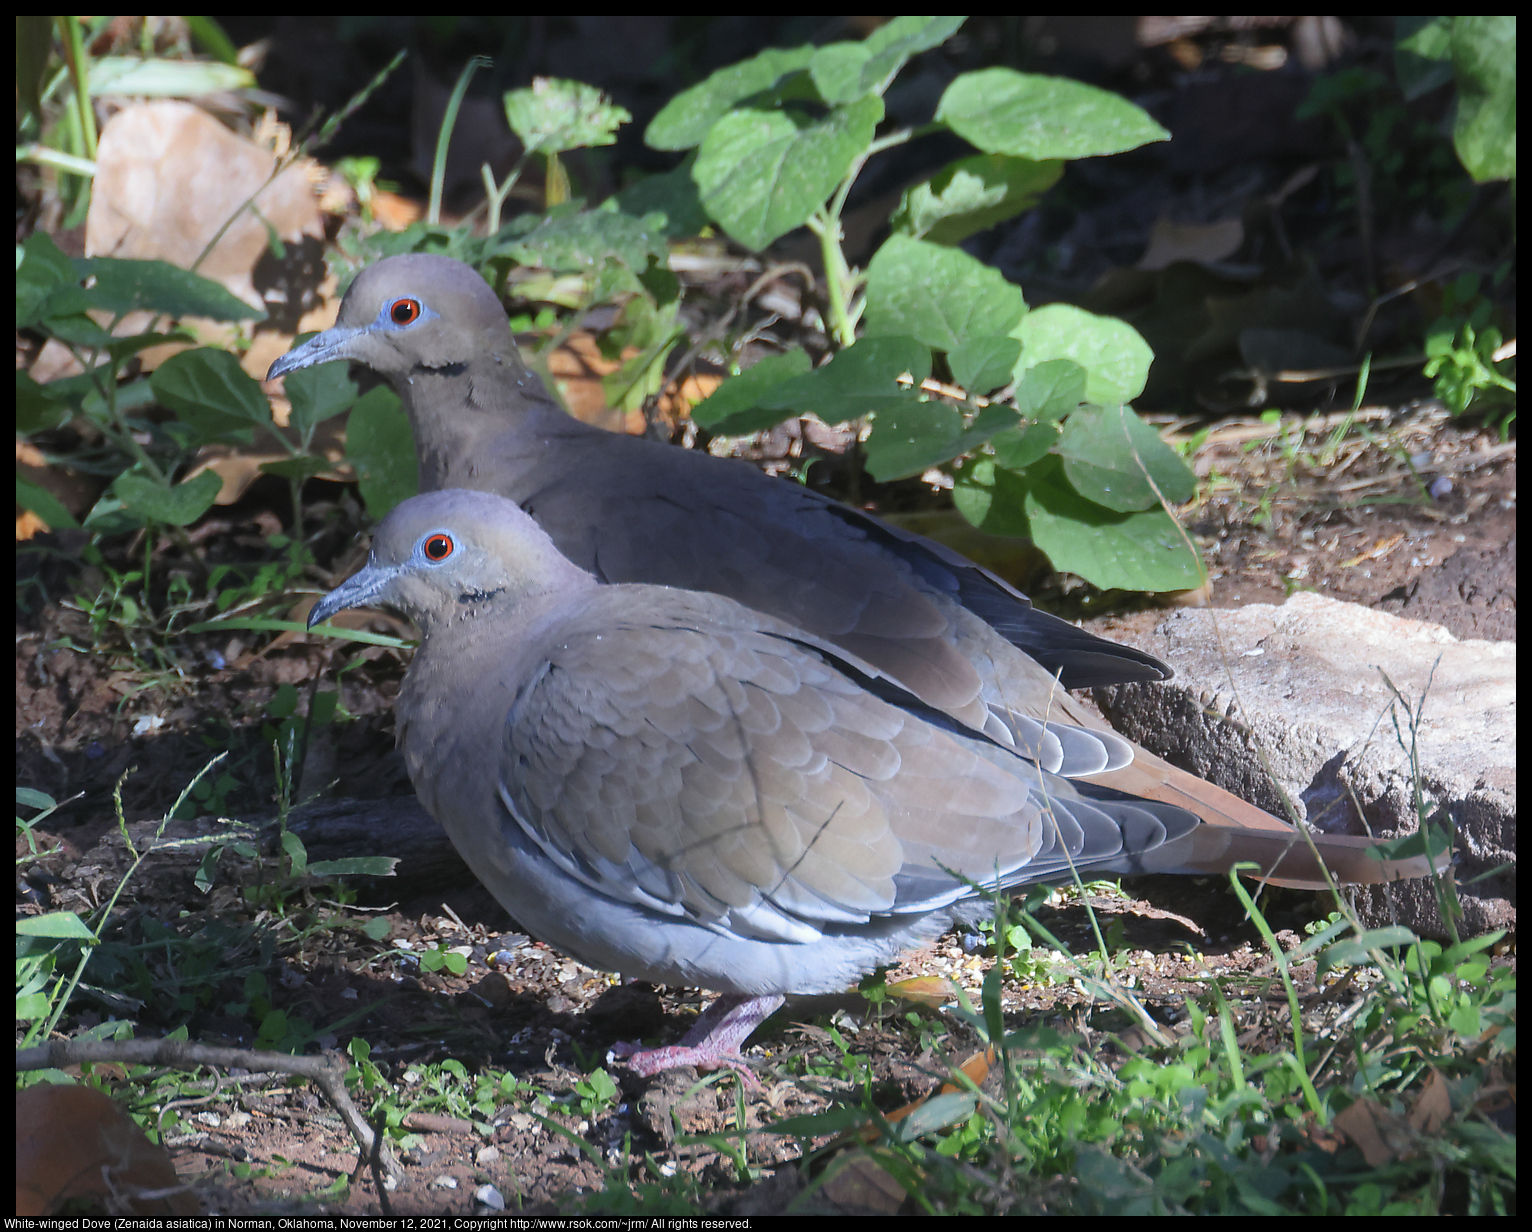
{"x":85,"y":719}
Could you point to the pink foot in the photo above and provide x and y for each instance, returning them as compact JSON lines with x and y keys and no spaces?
{"x":712,"y":1043}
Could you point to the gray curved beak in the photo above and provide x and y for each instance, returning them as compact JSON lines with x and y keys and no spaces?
{"x":320,"y":349}
{"x":361,"y":589}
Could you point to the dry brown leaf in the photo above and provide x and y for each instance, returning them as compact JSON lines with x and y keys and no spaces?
{"x":75,"y":1142}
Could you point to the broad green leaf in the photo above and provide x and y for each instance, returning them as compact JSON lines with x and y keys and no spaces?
{"x":317,"y":394}
{"x":935,"y":1113}
{"x":1127,"y":551}
{"x":984,"y":362}
{"x":911,"y":437}
{"x":846,"y":71}
{"x":381,"y":448}
{"x":553,"y":115}
{"x":179,"y":505}
{"x":971,"y":195}
{"x":209,"y":391}
{"x":43,"y":273}
{"x":1005,"y":112}
{"x":837,"y":72}
{"x":1106,"y":452}
{"x":992,"y":497}
{"x":581,"y":241}
{"x":1484,"y":60}
{"x":121,"y":286}
{"x":1114,"y":355}
{"x":860,"y":380}
{"x":763,"y":173}
{"x":732,"y":410}
{"x":1017,"y":448}
{"x":937,"y":294}
{"x":165,"y":78}
{"x":62,"y":924}
{"x":891,"y":46}
{"x":685,"y":120}
{"x":1050,"y":390}
{"x":45,"y":505}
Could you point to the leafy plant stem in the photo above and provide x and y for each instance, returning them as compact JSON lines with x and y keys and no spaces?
{"x":495,"y":196}
{"x":839,"y":281}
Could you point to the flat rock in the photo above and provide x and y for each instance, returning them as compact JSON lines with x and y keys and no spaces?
{"x":1307,"y":684}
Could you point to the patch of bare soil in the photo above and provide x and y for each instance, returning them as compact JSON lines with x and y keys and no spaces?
{"x":1419,"y":520}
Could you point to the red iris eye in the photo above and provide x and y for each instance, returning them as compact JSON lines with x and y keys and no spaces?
{"x":438,"y":547}
{"x":404,"y":311}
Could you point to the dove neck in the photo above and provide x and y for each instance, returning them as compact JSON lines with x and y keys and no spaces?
{"x":477,"y":419}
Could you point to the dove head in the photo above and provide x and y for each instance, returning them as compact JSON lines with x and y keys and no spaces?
{"x":450,"y":555}
{"x":409,"y":315}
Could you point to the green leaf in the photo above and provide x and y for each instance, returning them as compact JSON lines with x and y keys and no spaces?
{"x":971,"y":195}
{"x":38,"y":407}
{"x":1106,"y":452}
{"x":1002,"y":111}
{"x":846,"y":71}
{"x":44,"y":272}
{"x":209,"y":391}
{"x":554,"y":115}
{"x":165,"y":78}
{"x":1017,"y":448}
{"x":77,"y":330}
{"x":45,"y":505}
{"x":685,"y":120}
{"x":1114,"y":355}
{"x":1127,"y":551}
{"x":859,"y":380}
{"x":992,"y":497}
{"x":984,"y":362}
{"x":381,"y":448}
{"x":1050,"y":390}
{"x":582,"y":241}
{"x":180,"y":505}
{"x":355,"y":866}
{"x":837,"y":72}
{"x":1354,"y":951}
{"x":732,"y":410}
{"x":911,"y":437}
{"x":122,"y":286}
{"x":763,"y":173}
{"x":940,"y":295}
{"x":317,"y":394}
{"x":1484,"y":60}
{"x":62,"y":924}
{"x":891,"y":45}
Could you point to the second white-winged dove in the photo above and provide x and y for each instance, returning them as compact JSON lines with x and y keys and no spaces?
{"x":673,"y":786}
